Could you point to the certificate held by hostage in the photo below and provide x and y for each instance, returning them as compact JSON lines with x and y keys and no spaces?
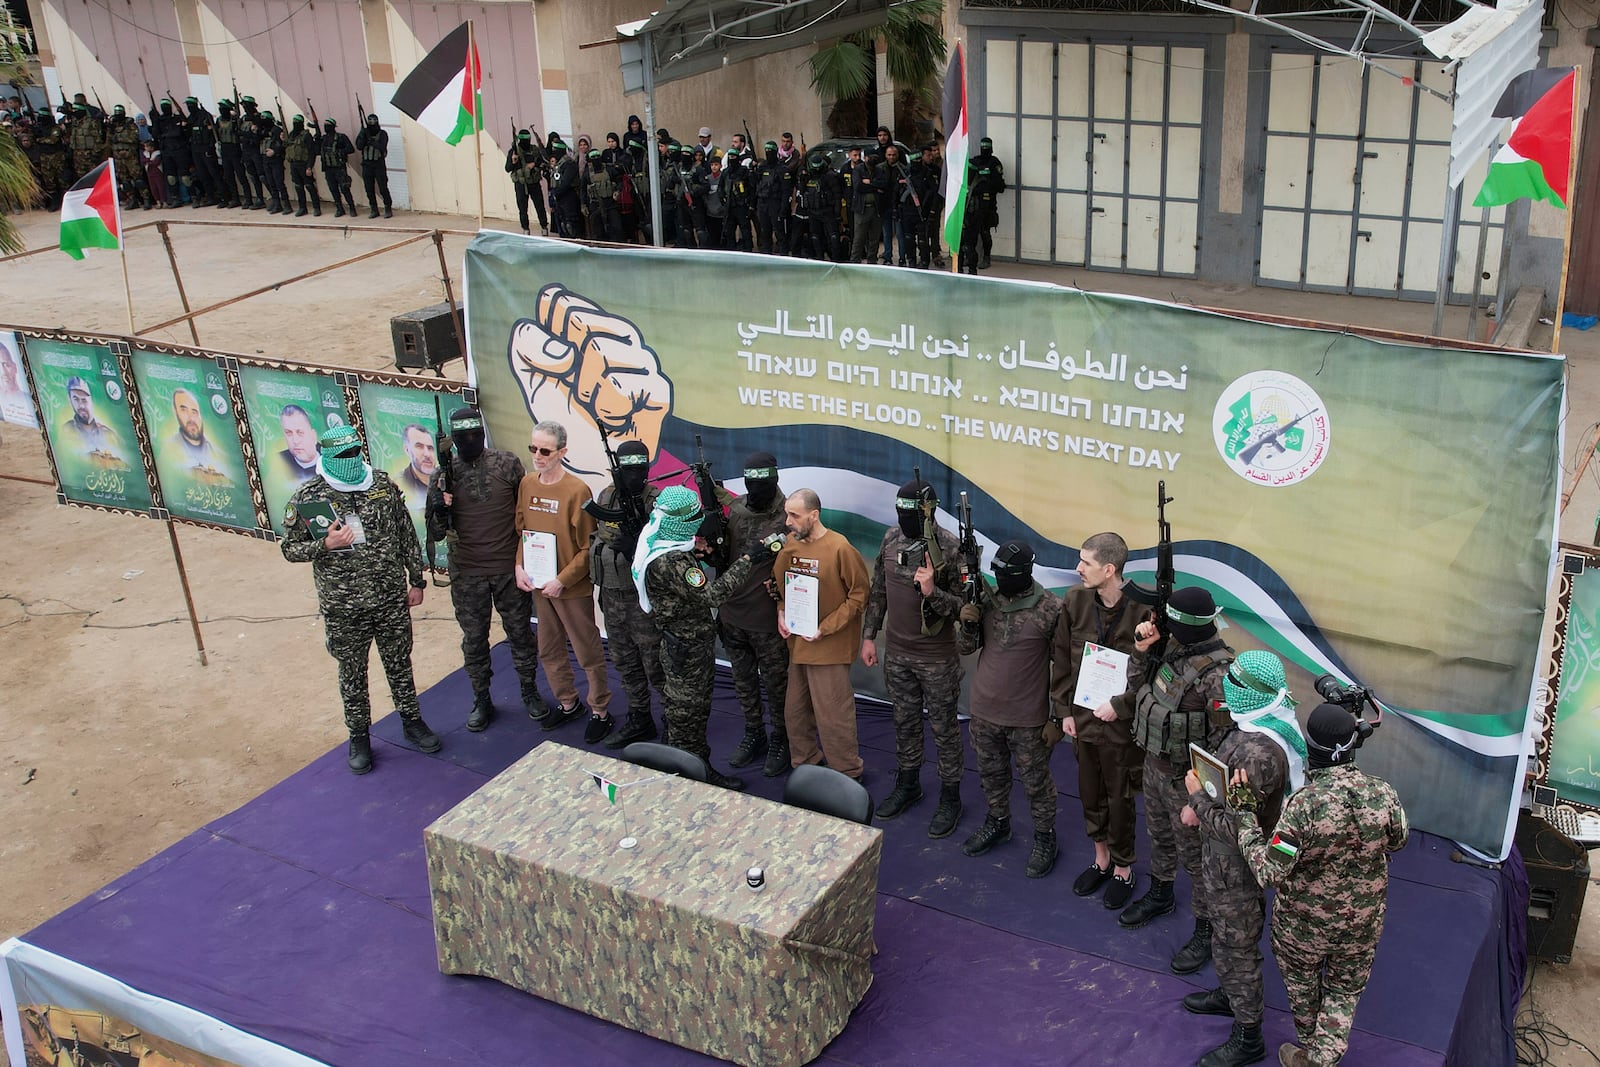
{"x":1102,"y":674}
{"x":800,"y":604}
{"x":539,"y":557}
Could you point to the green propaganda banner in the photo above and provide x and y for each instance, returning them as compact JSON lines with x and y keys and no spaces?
{"x":1381,"y":512}
{"x":88,"y":423}
{"x":194,"y":439}
{"x":401,"y":424}
{"x":288,"y":411}
{"x":1573,"y":764}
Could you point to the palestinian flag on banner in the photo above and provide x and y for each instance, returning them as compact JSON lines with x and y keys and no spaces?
{"x":956,"y":138}
{"x":91,"y":216}
{"x":445,"y":92}
{"x":607,"y":787}
{"x":1537,"y":156}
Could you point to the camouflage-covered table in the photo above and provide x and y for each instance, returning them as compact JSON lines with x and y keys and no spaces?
{"x":530,"y":887}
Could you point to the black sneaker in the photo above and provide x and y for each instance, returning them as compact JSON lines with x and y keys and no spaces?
{"x":560,"y":716}
{"x":1120,"y":892}
{"x":1090,"y":880}
{"x":599,"y":726}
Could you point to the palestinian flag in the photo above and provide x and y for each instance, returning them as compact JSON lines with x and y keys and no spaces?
{"x":956,"y":138}
{"x":1537,"y":156}
{"x":91,"y":217}
{"x":1285,"y":845}
{"x":445,"y":92}
{"x":607,"y":787}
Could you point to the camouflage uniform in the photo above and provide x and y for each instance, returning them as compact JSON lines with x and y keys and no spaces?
{"x":1234,"y":901}
{"x":124,"y":137}
{"x":362,"y":593}
{"x":52,"y":165}
{"x":1023,"y":625}
{"x":759,"y":657}
{"x":1328,"y":914}
{"x":480,"y":588}
{"x":1175,"y":708}
{"x":632,"y":638}
{"x":88,"y":139}
{"x":916,"y":678}
{"x":681,"y":601}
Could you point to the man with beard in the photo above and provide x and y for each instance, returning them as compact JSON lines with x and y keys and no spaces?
{"x":84,"y":430}
{"x":758,"y":656}
{"x":477,"y":518}
{"x":422,"y":457}
{"x":189,"y":440}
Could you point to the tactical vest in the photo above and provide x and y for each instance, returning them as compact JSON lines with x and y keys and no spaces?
{"x":249,"y":134}
{"x":811,"y":195}
{"x":333,"y":153}
{"x":297,"y":147}
{"x":228,"y":131}
{"x":371,"y":152}
{"x":124,"y":137}
{"x":1159,"y":727}
{"x":202,"y":134}
{"x":769,"y":186}
{"x":601,"y":187}
{"x":85,"y":138}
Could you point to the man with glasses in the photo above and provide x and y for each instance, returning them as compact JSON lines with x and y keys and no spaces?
{"x":553,"y":532}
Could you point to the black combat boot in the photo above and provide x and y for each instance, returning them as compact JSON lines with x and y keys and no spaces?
{"x":1208,"y":1002}
{"x":388,"y":212}
{"x":1243,"y":1047}
{"x":1042,"y":860}
{"x":302,"y":213}
{"x":316,"y":205}
{"x":723,"y":781}
{"x":537,"y":708}
{"x":991,"y":833}
{"x":338,"y":209}
{"x":1193,"y":956}
{"x":274,"y":207}
{"x":597,"y":727}
{"x":418,"y":734}
{"x":638,"y":726}
{"x":1157,"y":901}
{"x":360,"y":758}
{"x":751,"y":747}
{"x":374,"y":212}
{"x":560,"y":716}
{"x":777,"y":754}
{"x":906,"y":792}
{"x":482,"y":711}
{"x":948,"y":813}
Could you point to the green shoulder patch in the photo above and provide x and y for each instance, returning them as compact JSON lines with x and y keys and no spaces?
{"x":694,"y":577}
{"x":290,"y":514}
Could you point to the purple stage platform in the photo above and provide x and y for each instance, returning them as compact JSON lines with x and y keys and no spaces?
{"x":303,"y":917}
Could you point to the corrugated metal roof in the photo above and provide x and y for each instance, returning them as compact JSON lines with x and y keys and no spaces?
{"x":1488,"y":47}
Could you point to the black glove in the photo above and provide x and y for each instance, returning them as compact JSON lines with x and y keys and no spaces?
{"x":764,"y":550}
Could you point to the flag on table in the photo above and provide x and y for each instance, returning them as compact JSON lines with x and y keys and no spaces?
{"x":1536,"y":159}
{"x":607,"y":787}
{"x":954,"y":113}
{"x":445,"y":92}
{"x":91,"y":217}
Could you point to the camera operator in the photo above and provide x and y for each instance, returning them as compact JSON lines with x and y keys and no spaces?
{"x":1328,"y":856}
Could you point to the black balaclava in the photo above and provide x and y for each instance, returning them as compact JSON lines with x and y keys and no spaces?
{"x":372,"y":122}
{"x":329,"y":125}
{"x":1191,"y":615}
{"x":299,"y":122}
{"x":466,"y":433}
{"x":1332,"y":736}
{"x":166,"y":108}
{"x":633,"y":467}
{"x":760,"y":479}
{"x":907,"y":506}
{"x":193,"y":104}
{"x":1013,"y":568}
{"x":771,"y":149}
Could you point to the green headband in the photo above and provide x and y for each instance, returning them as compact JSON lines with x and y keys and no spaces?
{"x":633,"y":460}
{"x":470,"y":423}
{"x":1191,"y":620}
{"x":760,"y":472}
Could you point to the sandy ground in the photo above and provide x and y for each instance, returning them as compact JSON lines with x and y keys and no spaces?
{"x":115,"y":742}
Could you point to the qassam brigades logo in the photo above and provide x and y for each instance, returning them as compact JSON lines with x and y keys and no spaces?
{"x":1271,"y":428}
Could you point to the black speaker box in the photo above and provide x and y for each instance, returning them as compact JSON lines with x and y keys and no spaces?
{"x":1558,"y":877}
{"x":424,"y":338}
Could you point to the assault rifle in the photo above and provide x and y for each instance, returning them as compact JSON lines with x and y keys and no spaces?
{"x":628,"y":511}
{"x":1166,"y":575}
{"x":1271,"y":437}
{"x":971,"y":556}
{"x":361,"y":112}
{"x":442,"y":446}
{"x":714,"y":528}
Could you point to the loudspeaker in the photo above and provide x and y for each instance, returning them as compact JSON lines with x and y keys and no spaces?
{"x":1558,"y":877}
{"x":424,"y":338}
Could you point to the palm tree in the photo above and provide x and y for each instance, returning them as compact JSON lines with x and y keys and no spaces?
{"x":914,"y":56}
{"x":17,"y":184}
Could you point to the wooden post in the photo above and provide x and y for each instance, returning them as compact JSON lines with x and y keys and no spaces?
{"x":475,"y":80}
{"x":188,"y":598}
{"x":122,"y":246}
{"x":450,"y":298}
{"x":183,"y":298}
{"x":1572,"y":188}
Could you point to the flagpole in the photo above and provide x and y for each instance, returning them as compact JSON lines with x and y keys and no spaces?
{"x":475,"y":75}
{"x":122,"y":244}
{"x":1572,"y":188}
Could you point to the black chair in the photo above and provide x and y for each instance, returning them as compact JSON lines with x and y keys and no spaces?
{"x":666,"y":759}
{"x":824,"y":789}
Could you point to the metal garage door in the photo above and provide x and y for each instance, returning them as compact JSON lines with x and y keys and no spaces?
{"x":1101,"y":145}
{"x":1354,"y":181}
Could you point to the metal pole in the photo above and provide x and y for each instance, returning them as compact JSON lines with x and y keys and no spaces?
{"x":183,"y":298}
{"x":1477,"y":275}
{"x":450,"y":298}
{"x":188,"y":598}
{"x":653,"y":156}
{"x":474,"y":78}
{"x":1447,"y":247}
{"x":1572,"y":187}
